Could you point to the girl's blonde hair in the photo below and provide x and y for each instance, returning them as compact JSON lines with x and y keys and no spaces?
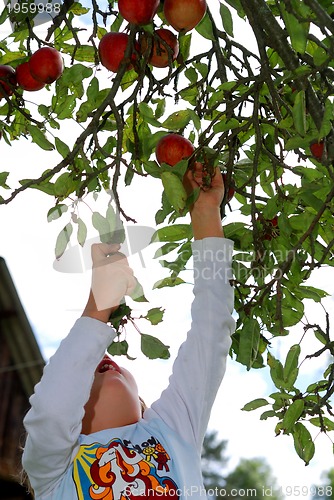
{"x":24,"y":481}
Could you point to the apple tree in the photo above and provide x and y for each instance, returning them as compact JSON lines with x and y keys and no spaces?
{"x":263,"y":114}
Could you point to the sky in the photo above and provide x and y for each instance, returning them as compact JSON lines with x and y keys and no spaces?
{"x":53,"y":300}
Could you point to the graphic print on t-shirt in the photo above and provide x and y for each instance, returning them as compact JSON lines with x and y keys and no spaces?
{"x":120,"y":470}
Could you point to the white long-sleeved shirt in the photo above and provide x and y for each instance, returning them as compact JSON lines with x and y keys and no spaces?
{"x":159,"y":456}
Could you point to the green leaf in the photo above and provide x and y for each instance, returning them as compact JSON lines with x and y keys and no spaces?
{"x":82,"y":53}
{"x":297,"y":30}
{"x":165,"y":249}
{"x":276,"y":371}
{"x":120,"y":316}
{"x":241,"y":235}
{"x":102,"y":226}
{"x":310,"y":292}
{"x":320,"y":56}
{"x":290,"y":370}
{"x":176,"y":232}
{"x":177,"y":120}
{"x":175,"y":191}
{"x":303,"y":443}
{"x":147,"y":113}
{"x":249,"y":342}
{"x":166,"y":209}
{"x":67,"y":107}
{"x":153,"y":348}
{"x":61,"y":147}
{"x":292,"y":309}
{"x":118,"y":348}
{"x":78,"y":9}
{"x":292,"y":414}
{"x":326,"y":124}
{"x":227,"y":19}
{"x":161,"y":108}
{"x":45,"y":186}
{"x":116,"y":227}
{"x":152,"y":168}
{"x":225,"y":124}
{"x":82,"y":232}
{"x":256,"y":403}
{"x":39,"y":137}
{"x":204,"y":28}
{"x":299,"y":113}
{"x":93,"y":89}
{"x":154,"y":315}
{"x":168,"y":282}
{"x":4,"y":15}
{"x":191,"y":74}
{"x":138,"y":293}
{"x":112,"y":218}
{"x":236,"y":4}
{"x":3,"y":180}
{"x":320,"y":336}
{"x":63,"y":239}
{"x":11,"y":56}
{"x":64,"y":185}
{"x":76,"y":73}
{"x":268,"y":414}
{"x":56,"y":212}
{"x":324,"y":423}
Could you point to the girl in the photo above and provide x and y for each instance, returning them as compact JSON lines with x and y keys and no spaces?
{"x":88,"y":436}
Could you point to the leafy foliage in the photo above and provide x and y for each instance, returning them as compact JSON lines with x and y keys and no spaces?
{"x":251,"y":478}
{"x":327,"y":487}
{"x":213,"y":461}
{"x":257,"y":113}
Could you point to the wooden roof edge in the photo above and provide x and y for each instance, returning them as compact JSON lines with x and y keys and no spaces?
{"x":26,"y":354}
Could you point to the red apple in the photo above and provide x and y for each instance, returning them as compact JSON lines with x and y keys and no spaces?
{"x":46,"y":65}
{"x":317,"y":149}
{"x":270,"y":228}
{"x":173,"y":148}
{"x":25,"y":80}
{"x":111,"y":50}
{"x":160,"y":54}
{"x":230,"y":189}
{"x":184,"y":15}
{"x":7,"y":80}
{"x":135,"y":12}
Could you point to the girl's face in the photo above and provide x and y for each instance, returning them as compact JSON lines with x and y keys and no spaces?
{"x":114,"y":399}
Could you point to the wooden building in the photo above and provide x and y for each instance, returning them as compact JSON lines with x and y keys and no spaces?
{"x":21,"y":366}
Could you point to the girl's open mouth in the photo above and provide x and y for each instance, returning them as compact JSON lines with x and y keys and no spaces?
{"x":108,"y":364}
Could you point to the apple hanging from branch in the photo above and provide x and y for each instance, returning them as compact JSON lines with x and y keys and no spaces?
{"x":25,"y":80}
{"x":270,"y":227}
{"x":7,"y":80}
{"x":172,"y":148}
{"x":317,"y":149}
{"x":46,"y":65}
{"x":139,"y":13}
{"x":112,"y":48}
{"x":229,"y":188}
{"x":184,"y":15}
{"x":165,"y":47}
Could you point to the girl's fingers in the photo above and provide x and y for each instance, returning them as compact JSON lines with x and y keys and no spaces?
{"x":101,"y":250}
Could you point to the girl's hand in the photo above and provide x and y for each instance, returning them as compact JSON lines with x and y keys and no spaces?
{"x":112,"y":279}
{"x":209,"y":197}
{"x":205,"y":212}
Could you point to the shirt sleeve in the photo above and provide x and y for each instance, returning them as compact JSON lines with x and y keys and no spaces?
{"x":185,"y":405}
{"x":53,"y":423}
